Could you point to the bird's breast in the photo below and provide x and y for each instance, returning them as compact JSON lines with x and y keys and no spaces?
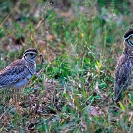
{"x":19,"y":84}
{"x":22,"y":82}
{"x":131,"y":79}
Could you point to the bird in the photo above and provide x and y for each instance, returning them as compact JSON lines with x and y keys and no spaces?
{"x":124,"y":68}
{"x":17,"y":74}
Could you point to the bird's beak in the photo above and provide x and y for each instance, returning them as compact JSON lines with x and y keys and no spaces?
{"x":41,"y":58}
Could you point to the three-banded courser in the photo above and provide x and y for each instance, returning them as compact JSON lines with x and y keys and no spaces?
{"x":124,"y":68}
{"x":19,"y":72}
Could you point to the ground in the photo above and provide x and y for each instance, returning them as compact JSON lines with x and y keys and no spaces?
{"x":72,"y":91}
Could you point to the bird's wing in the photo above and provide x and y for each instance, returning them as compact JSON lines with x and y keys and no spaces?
{"x":13,"y":73}
{"x":122,"y":77}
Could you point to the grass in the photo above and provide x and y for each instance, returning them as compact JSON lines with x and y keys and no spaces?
{"x":74,"y":90}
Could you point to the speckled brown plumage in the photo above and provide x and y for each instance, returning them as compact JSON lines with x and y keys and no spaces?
{"x":123,"y":73}
{"x":18,"y":73}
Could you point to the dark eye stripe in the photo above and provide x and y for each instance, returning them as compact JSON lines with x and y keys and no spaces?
{"x":128,"y":37}
{"x":33,"y":53}
{"x":130,"y":43}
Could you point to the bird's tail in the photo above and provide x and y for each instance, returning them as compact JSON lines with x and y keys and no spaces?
{"x":117,"y":93}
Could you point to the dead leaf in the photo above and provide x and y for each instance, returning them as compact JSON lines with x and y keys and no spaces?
{"x":95,"y":111}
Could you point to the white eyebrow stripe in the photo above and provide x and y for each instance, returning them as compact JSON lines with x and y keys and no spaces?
{"x":30,"y":52}
{"x":128,"y":37}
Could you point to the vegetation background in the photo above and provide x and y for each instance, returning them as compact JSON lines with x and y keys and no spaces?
{"x":80,"y":41}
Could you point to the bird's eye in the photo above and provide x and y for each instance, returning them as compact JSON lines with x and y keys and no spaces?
{"x":131,"y":39}
{"x":31,"y":54}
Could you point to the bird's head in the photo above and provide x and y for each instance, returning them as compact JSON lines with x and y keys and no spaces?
{"x":128,"y":38}
{"x":30,"y":55}
{"x":128,"y":42}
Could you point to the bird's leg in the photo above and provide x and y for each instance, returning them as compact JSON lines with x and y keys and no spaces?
{"x":15,"y":97}
{"x":16,"y":103}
